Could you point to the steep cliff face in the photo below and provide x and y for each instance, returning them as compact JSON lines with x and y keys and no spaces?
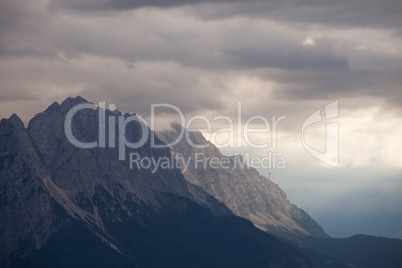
{"x":79,"y":171}
{"x":47,"y":182}
{"x":60,"y":204}
{"x":241,"y":188}
{"x":28,"y":213}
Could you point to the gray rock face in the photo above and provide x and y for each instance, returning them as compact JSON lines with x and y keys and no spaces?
{"x":28,"y":213}
{"x":76,"y":170}
{"x":46,"y":182}
{"x":242,"y":189}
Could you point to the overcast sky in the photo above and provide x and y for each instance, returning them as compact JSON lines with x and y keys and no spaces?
{"x":287,"y":58}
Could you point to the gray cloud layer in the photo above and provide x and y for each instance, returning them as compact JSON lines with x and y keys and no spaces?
{"x":111,"y":5}
{"x":362,"y":13}
{"x":249,"y":43}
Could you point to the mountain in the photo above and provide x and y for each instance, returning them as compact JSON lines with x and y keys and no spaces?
{"x":240,"y":187}
{"x":359,"y":251}
{"x":61,"y":205}
{"x":254,"y":197}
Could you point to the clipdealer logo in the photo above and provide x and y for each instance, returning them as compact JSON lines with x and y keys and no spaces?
{"x":118,"y":140}
{"x":331,"y":154}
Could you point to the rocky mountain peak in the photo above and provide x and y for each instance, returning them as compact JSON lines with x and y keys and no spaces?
{"x":75,"y":181}
{"x":16,"y":121}
{"x":52,"y":191}
{"x":72,"y":101}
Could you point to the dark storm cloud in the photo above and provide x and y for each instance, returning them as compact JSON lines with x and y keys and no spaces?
{"x":270,"y":50}
{"x":342,"y":13}
{"x":112,"y":5}
{"x":289,"y":58}
{"x":28,"y":51}
{"x":195,"y":46}
{"x":330,"y":84}
{"x":338,"y":13}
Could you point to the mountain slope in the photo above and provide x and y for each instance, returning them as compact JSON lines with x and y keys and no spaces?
{"x":182,"y":234}
{"x":255,"y":197}
{"x":28,"y":213}
{"x":241,"y":188}
{"x":360,"y":251}
{"x":65,"y":206}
